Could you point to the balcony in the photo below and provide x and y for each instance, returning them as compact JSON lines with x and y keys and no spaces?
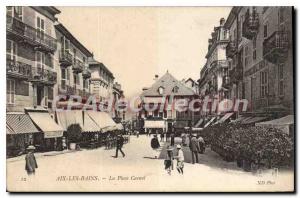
{"x":86,"y":73}
{"x":18,"y":69}
{"x":78,"y":66}
{"x":231,"y":49}
{"x":43,"y":76}
{"x":66,"y":90}
{"x":219,"y":64}
{"x":65,"y":58}
{"x":27,"y":34}
{"x":250,"y":24}
{"x":275,"y":47}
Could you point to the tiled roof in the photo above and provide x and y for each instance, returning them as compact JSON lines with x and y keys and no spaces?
{"x":168,"y":82}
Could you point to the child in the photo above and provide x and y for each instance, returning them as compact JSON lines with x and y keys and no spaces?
{"x":180,"y":159}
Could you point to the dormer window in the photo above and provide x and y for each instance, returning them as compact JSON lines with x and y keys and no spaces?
{"x":161,"y":90}
{"x":175,"y":89}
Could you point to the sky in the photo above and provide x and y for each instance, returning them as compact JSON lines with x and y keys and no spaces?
{"x":136,"y":43}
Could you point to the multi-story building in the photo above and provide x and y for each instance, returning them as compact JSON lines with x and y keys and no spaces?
{"x":30,"y":77}
{"x":117,"y":95}
{"x":213,"y":80}
{"x":261,"y":56}
{"x":73,"y":69}
{"x":101,"y":81}
{"x":164,"y":93}
{"x":31,"y":45}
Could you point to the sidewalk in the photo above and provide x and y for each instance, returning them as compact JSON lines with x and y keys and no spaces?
{"x":38,"y":155}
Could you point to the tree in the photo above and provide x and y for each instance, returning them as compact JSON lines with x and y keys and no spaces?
{"x":74,"y":133}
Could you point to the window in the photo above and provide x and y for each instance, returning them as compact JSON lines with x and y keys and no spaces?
{"x":74,"y":55}
{"x":40,"y":28}
{"x":86,"y":83}
{"x":266,"y":30}
{"x":254,"y":49}
{"x":63,"y":78}
{"x":247,"y":56}
{"x":263,"y":84}
{"x":280,"y":80}
{"x":10,"y":91}
{"x":40,"y":61}
{"x":160,"y":90}
{"x":281,"y":15}
{"x":175,"y":89}
{"x":15,"y":11}
{"x":46,"y":95}
{"x":11,"y":50}
{"x":76,"y":79}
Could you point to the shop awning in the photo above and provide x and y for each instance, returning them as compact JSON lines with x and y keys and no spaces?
{"x":254,"y":120}
{"x":154,"y":124}
{"x":224,"y":118}
{"x":89,"y":125}
{"x":69,"y":117}
{"x":239,"y":119}
{"x":199,"y":123}
{"x":209,"y":122}
{"x":102,"y":119}
{"x":47,"y":125}
{"x":19,"y":123}
{"x":281,"y":123}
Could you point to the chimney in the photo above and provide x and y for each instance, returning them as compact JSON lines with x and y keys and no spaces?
{"x":155,"y":77}
{"x":222,"y":22}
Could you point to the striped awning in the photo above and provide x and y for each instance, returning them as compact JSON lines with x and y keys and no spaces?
{"x":102,"y":119}
{"x":19,"y":123}
{"x":89,"y":125}
{"x":44,"y":121}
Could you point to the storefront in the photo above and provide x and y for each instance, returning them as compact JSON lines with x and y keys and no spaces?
{"x":52,"y":132}
{"x":20,"y":133}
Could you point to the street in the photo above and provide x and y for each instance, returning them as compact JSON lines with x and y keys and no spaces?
{"x":98,"y":170}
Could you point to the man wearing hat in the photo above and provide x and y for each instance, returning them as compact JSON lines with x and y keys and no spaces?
{"x":31,"y":164}
{"x":180,"y":159}
{"x":120,"y":142}
{"x":194,"y":147}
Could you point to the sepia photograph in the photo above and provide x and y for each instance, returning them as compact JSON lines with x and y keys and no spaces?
{"x":150,"y":99}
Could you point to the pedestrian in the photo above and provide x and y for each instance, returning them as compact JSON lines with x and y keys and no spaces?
{"x":162,"y":135}
{"x":201,"y":144}
{"x":30,"y":161}
{"x":180,"y":159}
{"x":120,"y":142}
{"x":172,"y":139}
{"x":169,"y":160}
{"x":155,"y":144}
{"x":137,"y":134}
{"x":194,"y":147}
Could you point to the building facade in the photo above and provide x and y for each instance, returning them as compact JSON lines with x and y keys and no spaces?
{"x":31,"y":46}
{"x":101,"y":81}
{"x":261,"y":56}
{"x":73,"y":69}
{"x":163,"y":94}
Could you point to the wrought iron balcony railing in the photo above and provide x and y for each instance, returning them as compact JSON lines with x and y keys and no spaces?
{"x":30,"y":34}
{"x":78,"y":66}
{"x":42,"y":75}
{"x":219,"y":63}
{"x":86,"y":73}
{"x":18,"y":69}
{"x":65,"y":58}
{"x":275,"y":47}
{"x":250,"y":24}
